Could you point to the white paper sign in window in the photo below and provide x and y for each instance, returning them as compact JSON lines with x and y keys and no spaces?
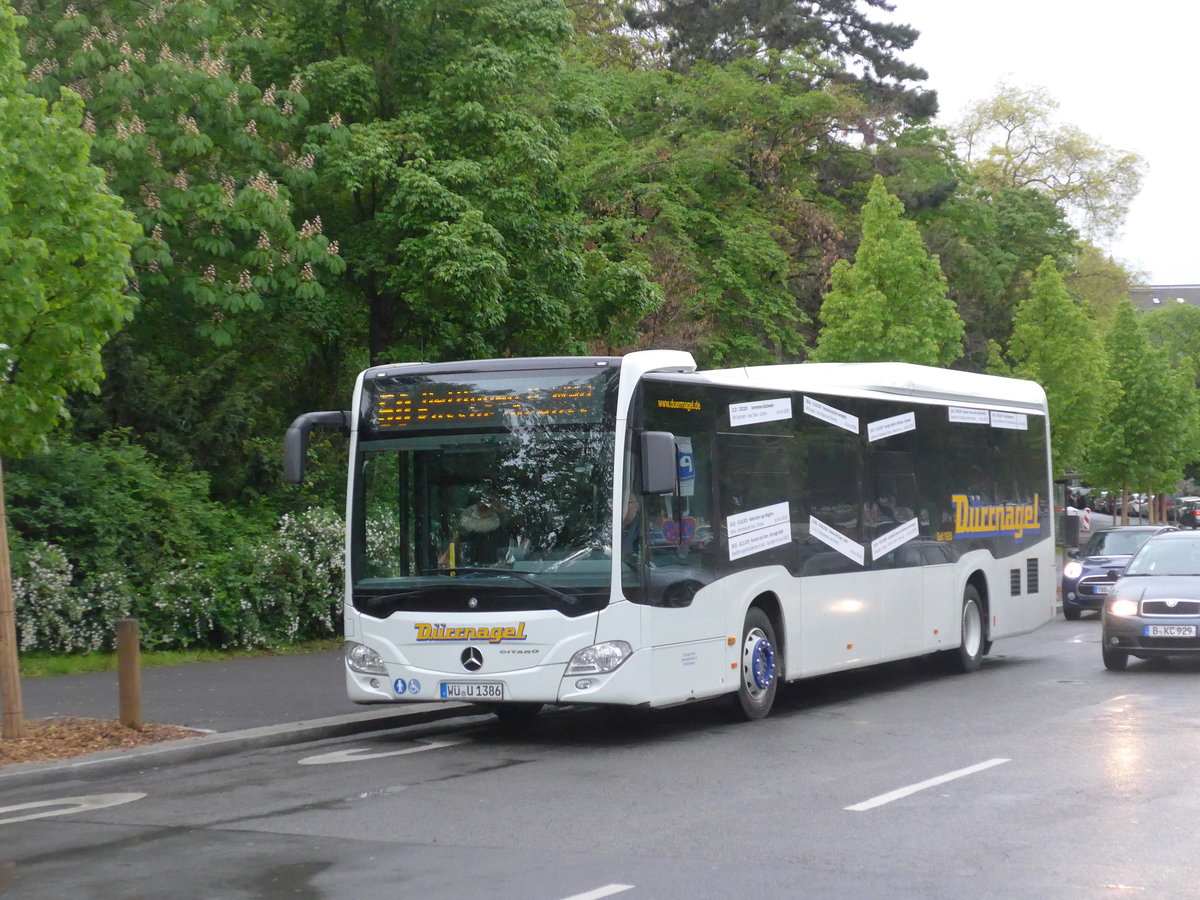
{"x":1015,"y":421}
{"x":826,"y":413}
{"x":897,"y":537}
{"x":969,"y":415}
{"x":760,"y":411}
{"x":884,"y":428}
{"x":831,"y":537}
{"x":758,"y":529}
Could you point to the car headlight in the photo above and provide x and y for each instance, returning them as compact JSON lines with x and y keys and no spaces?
{"x":599,"y":658}
{"x":1121,"y":607}
{"x":363,"y":659}
{"x":1072,"y":570}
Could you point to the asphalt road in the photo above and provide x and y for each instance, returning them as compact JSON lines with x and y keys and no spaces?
{"x":1040,"y":775}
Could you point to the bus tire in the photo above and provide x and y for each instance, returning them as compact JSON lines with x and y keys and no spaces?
{"x":970,"y":650}
{"x":759,"y":678}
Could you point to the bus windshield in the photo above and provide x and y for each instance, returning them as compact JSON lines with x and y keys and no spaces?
{"x":520,"y":503}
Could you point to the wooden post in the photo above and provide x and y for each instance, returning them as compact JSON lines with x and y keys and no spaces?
{"x":13,"y":722}
{"x":129,"y":673}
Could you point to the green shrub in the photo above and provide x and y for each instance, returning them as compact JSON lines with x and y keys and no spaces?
{"x":103,"y":531}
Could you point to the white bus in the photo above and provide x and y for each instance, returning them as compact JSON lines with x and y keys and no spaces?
{"x":629,"y":530}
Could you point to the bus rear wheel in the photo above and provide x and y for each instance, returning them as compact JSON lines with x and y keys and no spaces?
{"x":759,"y":679}
{"x":970,"y":651}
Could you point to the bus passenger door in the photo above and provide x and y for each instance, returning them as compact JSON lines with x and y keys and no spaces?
{"x":676,"y":555}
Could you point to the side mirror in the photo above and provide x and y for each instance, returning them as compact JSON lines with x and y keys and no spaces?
{"x":295,"y":441}
{"x":1073,"y":553}
{"x":658,"y":462}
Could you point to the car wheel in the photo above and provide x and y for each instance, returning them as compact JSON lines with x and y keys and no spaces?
{"x":1071,"y":613}
{"x":967,"y":656}
{"x":1114,"y":660}
{"x":760,"y":665}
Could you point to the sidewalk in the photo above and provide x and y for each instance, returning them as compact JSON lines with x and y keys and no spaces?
{"x":249,"y":703}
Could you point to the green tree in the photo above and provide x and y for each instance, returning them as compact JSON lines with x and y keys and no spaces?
{"x":890,"y":303}
{"x":1053,"y":344}
{"x":1099,"y":281}
{"x":443,"y":177}
{"x":1012,"y":141}
{"x":1143,"y":442}
{"x":989,"y":244}
{"x":849,"y":47}
{"x":708,"y":179}
{"x":208,"y":159}
{"x":64,"y":260}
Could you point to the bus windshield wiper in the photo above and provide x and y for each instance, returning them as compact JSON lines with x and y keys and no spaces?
{"x":569,"y":599}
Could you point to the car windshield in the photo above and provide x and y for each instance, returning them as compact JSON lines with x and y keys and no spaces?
{"x":1166,"y":558}
{"x":1116,"y":543}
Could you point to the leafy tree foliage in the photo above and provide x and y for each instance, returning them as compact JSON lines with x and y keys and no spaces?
{"x":1012,"y":141}
{"x":711,"y":179}
{"x":989,"y":244}
{"x":64,"y":259}
{"x":443,"y":178}
{"x":64,"y":256}
{"x":891,"y":303}
{"x":207,"y":161}
{"x":1144,"y":442}
{"x":851,"y":48}
{"x":1098,"y":280}
{"x":1053,"y":343}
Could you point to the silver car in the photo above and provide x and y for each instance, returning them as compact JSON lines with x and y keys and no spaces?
{"x":1154,"y":606}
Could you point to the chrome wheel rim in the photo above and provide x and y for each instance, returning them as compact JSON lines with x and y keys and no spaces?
{"x":972,"y":629}
{"x":758,"y":664}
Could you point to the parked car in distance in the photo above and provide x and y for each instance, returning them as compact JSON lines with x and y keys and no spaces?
{"x":1153,"y":607}
{"x":1085,"y":580}
{"x":1188,"y":509}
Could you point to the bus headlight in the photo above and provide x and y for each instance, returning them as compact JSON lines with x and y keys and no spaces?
{"x":1123,"y":608}
{"x":599,"y":658}
{"x":363,"y":659}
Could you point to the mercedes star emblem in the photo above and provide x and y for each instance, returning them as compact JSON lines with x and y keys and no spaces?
{"x":472,"y":659}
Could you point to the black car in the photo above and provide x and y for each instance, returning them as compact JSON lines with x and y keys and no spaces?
{"x":1085,"y":580}
{"x":1189,"y":511}
{"x":1153,"y":608}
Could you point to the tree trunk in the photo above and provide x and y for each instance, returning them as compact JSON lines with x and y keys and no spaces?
{"x":10,"y":675}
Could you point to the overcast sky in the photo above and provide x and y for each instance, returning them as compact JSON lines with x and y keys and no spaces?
{"x":1124,"y":73}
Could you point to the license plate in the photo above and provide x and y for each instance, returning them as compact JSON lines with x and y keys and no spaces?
{"x":1102,"y":588}
{"x":472,"y":690}
{"x":1170,"y":631}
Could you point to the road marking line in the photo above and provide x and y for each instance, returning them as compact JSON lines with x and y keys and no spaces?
{"x":932,"y":782}
{"x":65,"y":806}
{"x":607,"y":891}
{"x":358,"y":754}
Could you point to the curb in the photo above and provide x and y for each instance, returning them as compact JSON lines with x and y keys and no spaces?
{"x":109,"y":762}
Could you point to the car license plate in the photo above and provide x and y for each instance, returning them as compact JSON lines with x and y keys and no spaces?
{"x":1171,"y":631}
{"x":1102,"y":588}
{"x":472,"y":690}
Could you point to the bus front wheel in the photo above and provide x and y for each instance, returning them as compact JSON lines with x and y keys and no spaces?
{"x":759,"y":679}
{"x":971,"y":649}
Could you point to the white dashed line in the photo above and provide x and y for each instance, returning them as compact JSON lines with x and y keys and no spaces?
{"x":607,"y":891}
{"x":932,"y":782}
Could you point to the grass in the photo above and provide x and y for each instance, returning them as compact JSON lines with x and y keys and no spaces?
{"x":39,"y":665}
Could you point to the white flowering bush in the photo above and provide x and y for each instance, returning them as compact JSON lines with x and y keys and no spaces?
{"x":301,"y":577}
{"x":265,"y":591}
{"x":55,"y":615}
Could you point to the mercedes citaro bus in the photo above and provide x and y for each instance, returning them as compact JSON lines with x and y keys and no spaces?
{"x":629,"y":530}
